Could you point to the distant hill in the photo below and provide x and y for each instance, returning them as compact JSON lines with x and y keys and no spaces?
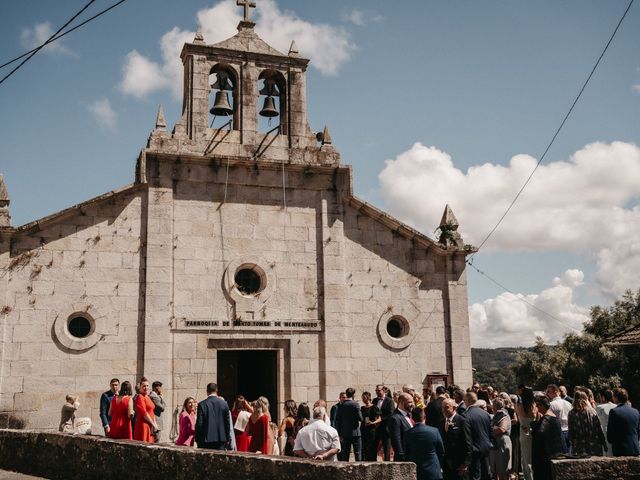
{"x":494,"y":366}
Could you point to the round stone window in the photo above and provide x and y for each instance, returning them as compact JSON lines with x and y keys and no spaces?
{"x":250,"y":280}
{"x":79,"y":326}
{"x":397,"y":327}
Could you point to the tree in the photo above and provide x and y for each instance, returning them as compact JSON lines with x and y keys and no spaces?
{"x":584,"y":359}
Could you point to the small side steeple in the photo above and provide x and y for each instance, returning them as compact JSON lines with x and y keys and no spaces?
{"x":161,"y":123}
{"x":5,"y":216}
{"x":449,"y":236}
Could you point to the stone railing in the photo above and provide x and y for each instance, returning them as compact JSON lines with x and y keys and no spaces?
{"x":597,"y":468}
{"x":70,"y":457}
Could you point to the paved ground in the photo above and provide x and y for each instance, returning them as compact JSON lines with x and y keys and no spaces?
{"x":5,"y":475}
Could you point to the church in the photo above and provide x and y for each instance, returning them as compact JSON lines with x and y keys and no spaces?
{"x":240,"y":255}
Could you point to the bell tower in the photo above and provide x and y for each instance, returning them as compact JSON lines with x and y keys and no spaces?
{"x":229,"y":87}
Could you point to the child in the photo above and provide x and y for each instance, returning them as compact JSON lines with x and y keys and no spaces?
{"x":68,"y":414}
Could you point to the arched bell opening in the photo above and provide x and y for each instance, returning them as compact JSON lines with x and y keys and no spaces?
{"x":223,"y":99}
{"x":272,"y":102}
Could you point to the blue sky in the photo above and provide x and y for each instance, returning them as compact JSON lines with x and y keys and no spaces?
{"x":432,"y":102}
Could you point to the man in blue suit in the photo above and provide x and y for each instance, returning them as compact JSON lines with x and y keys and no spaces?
{"x":623,"y":428}
{"x":213,"y":422}
{"x":477,"y":431}
{"x":399,"y":425}
{"x":423,"y":446}
{"x":348,"y":420}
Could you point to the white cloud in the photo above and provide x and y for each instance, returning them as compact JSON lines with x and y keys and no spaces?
{"x":359,"y":17}
{"x":38,"y":34}
{"x":636,"y":88}
{"x":141,"y":76}
{"x":507,"y":320}
{"x":570,"y":205}
{"x":618,"y":267}
{"x":587,"y":204}
{"x":327,"y":46}
{"x":103,"y":113}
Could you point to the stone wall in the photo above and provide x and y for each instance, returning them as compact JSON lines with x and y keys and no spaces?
{"x":85,"y":260}
{"x":597,"y":468}
{"x":68,"y":457}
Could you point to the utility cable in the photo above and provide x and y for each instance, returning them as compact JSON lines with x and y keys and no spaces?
{"x":555,"y":135}
{"x":521,"y":297}
{"x":36,"y":50}
{"x":57,"y":37}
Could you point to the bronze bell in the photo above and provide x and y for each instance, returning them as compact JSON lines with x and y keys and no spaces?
{"x":269,"y":108}
{"x":221,"y":107}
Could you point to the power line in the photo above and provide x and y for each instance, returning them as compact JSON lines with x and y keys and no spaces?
{"x":56,"y":37}
{"x":520,"y":297}
{"x":50,"y":39}
{"x":555,"y":135}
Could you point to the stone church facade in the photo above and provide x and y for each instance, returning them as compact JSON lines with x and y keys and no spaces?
{"x":238,"y":256}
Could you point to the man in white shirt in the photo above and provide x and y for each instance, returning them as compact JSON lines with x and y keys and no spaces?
{"x":561,"y":409}
{"x":317,"y":440}
{"x":606,"y":397}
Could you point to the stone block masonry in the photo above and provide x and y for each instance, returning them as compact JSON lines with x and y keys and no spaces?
{"x":70,"y":457}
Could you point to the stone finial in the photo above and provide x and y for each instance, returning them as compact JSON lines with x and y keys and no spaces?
{"x":161,"y":123}
{"x":5,"y":216}
{"x":449,"y":237}
{"x":199,"y":38}
{"x":293,"y":49}
{"x":449,"y":219}
{"x":326,"y":136}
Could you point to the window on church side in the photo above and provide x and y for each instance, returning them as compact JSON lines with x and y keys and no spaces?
{"x":397,"y":327}
{"x":79,"y":327}
{"x":249,"y":281}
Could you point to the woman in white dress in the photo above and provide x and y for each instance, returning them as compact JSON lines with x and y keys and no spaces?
{"x":525,"y":412}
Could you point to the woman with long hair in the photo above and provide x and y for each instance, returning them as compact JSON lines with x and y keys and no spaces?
{"x":187,"y":423}
{"x":302,"y":418}
{"x":258,"y":427}
{"x":286,"y":426}
{"x":121,"y":413}
{"x":240,"y":414}
{"x":585,"y":432}
{"x":372,"y":418}
{"x":525,"y":410}
{"x":145,"y":426}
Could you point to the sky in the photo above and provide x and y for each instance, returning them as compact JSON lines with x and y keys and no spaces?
{"x":431,"y":102}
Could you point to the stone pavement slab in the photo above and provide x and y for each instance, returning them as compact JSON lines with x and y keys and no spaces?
{"x":6,"y":475}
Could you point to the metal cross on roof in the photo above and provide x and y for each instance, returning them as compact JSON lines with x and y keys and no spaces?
{"x":246,"y":4}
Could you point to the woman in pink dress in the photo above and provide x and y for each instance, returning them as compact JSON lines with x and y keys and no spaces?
{"x":121,"y":412}
{"x":145,"y":425}
{"x":240,"y":414}
{"x":187,"y":423}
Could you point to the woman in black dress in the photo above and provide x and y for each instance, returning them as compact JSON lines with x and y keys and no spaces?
{"x":372,"y":418}
{"x":546,"y":441}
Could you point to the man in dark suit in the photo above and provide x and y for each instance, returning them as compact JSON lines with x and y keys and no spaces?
{"x":458,"y":396}
{"x":455,"y":445}
{"x":213,"y":424}
{"x":348,"y":420}
{"x":385,"y":405}
{"x":334,"y":410}
{"x":399,"y":424}
{"x":434,"y":409}
{"x":624,"y":426}
{"x":423,"y":446}
{"x":477,"y":431}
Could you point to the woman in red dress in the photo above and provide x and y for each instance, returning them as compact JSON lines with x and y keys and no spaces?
{"x":145,"y":425}
{"x":187,"y":423}
{"x":240,"y":416}
{"x":258,"y":427}
{"x":121,"y":411}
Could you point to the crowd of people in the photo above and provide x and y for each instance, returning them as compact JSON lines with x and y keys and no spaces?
{"x":449,"y":433}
